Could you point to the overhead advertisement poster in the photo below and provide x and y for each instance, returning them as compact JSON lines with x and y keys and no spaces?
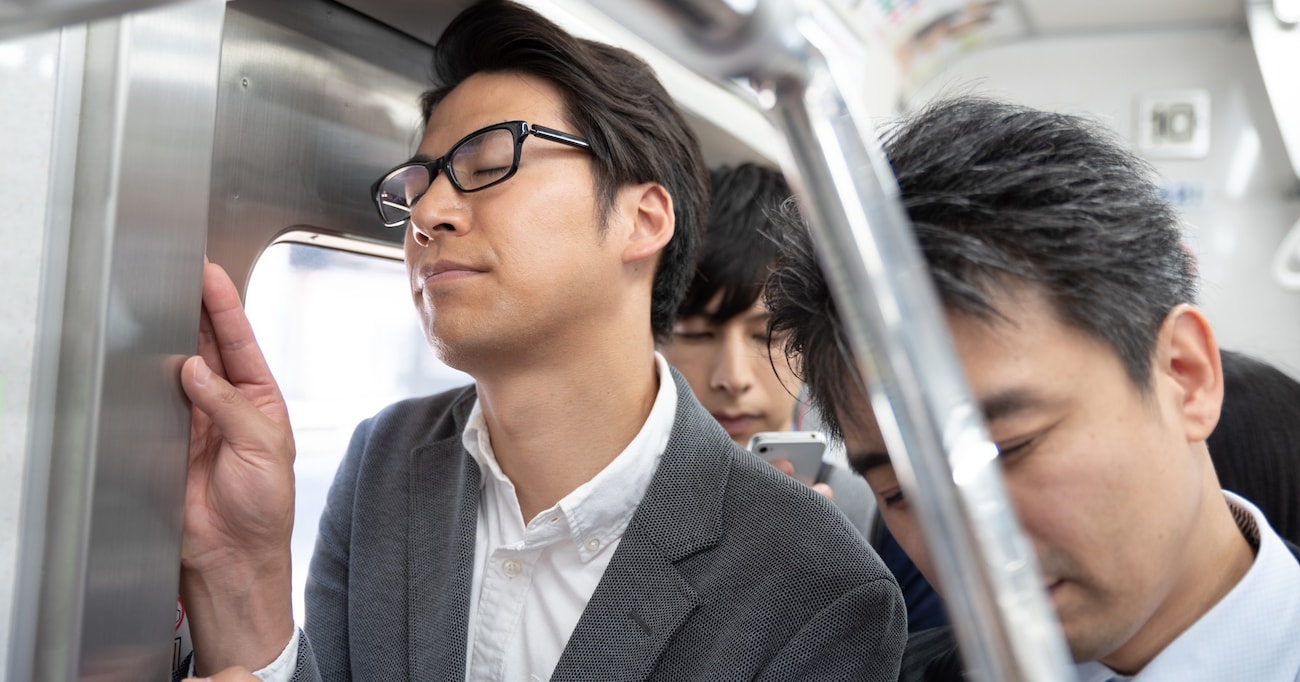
{"x":926,"y":35}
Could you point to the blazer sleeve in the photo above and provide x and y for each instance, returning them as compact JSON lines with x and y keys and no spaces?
{"x":840,"y":644}
{"x":305,"y":670}
{"x":324,"y":652}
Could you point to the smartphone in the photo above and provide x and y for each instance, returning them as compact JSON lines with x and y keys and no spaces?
{"x":804,"y":449}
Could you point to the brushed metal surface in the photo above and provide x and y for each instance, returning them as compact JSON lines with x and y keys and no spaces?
{"x":347,"y":29}
{"x":130,"y":316}
{"x":419,"y":19}
{"x":42,"y":422}
{"x":29,"y":16}
{"x":304,"y":127}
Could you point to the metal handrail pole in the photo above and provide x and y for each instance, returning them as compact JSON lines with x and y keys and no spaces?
{"x":800,"y":61}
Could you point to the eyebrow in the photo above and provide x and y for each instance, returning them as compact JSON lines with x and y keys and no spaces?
{"x":1009,"y":403}
{"x":863,"y":461}
{"x":421,"y":158}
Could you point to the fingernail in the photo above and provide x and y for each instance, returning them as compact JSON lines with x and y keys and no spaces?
{"x":201,"y":373}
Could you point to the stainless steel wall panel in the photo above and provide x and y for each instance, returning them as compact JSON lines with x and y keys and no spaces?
{"x":30,"y":540}
{"x":348,"y":28}
{"x":117,"y":458}
{"x":418,"y":18}
{"x":35,"y":239}
{"x":304,"y":128}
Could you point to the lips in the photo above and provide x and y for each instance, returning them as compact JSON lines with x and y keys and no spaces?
{"x":737,"y":424}
{"x":443,"y":271}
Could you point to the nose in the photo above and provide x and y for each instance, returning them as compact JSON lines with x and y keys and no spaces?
{"x":440,"y":211}
{"x":733,"y":370}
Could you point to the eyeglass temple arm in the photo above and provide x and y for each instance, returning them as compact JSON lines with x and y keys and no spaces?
{"x":558,"y":136}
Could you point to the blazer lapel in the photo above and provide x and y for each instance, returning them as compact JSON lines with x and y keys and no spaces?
{"x":643,"y":598}
{"x":442,"y":521}
{"x":629,"y":620}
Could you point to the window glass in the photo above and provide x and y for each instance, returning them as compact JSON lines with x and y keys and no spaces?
{"x":343,"y":339}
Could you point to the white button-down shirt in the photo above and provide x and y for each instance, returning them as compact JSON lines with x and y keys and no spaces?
{"x":1253,"y":633}
{"x":532,"y":581}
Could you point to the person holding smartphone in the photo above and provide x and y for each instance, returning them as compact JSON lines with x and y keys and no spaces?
{"x":720,"y":344}
{"x":719,"y":338}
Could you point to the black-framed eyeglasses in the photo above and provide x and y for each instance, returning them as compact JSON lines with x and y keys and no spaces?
{"x":486,"y":157}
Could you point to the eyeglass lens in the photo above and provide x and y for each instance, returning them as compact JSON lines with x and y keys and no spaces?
{"x":483,"y":159}
{"x":474,"y":164}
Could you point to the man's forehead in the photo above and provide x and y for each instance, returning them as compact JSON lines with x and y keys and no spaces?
{"x":487,"y":98}
{"x":985,"y":345}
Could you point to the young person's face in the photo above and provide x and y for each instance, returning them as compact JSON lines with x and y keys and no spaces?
{"x":730,"y":371}
{"x":1106,"y":480}
{"x":521,"y":265}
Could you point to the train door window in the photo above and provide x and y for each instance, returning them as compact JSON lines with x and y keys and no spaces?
{"x":341,"y":336}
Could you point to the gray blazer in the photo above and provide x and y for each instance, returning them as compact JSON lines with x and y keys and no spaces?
{"x":728,"y":569}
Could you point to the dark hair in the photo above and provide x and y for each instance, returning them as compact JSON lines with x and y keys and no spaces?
{"x":613,"y":99}
{"x":999,"y":196}
{"x":737,"y":253}
{"x":1256,"y":445}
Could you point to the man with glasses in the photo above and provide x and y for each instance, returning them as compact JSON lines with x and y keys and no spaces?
{"x":574,"y":515}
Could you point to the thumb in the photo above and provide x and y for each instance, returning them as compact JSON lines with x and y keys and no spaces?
{"x":224,"y":404}
{"x":784,"y":466}
{"x":824,"y":490}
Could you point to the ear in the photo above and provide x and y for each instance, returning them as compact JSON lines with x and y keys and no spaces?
{"x":1188,"y":354}
{"x":651,"y":209}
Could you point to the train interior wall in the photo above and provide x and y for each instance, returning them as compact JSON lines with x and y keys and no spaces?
{"x":313,"y":101}
{"x":1239,"y":199}
{"x":27,"y":66}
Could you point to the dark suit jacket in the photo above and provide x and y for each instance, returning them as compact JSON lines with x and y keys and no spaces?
{"x":728,"y":569}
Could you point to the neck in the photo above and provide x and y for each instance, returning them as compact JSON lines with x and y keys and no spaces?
{"x":1216,"y":560}
{"x":556,"y":424}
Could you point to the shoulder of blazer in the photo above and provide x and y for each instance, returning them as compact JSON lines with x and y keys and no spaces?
{"x":1295,"y":549}
{"x":417,"y":421}
{"x":708,"y":489}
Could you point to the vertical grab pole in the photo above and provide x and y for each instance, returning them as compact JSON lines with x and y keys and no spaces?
{"x":799,"y":58}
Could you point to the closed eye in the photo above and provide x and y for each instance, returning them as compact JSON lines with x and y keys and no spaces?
{"x":894,"y":500}
{"x":1015,"y":448}
{"x":491,"y":173}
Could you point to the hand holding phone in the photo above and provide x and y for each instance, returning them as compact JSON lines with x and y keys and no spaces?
{"x":803,"y":449}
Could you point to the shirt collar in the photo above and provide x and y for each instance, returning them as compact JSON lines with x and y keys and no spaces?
{"x":598,"y":511}
{"x":1249,"y":635}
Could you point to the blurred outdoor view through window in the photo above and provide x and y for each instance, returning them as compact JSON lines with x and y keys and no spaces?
{"x":343,"y":339}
